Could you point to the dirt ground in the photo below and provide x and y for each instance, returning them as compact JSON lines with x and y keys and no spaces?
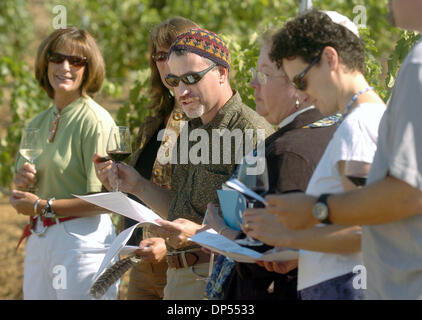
{"x":11,"y":261}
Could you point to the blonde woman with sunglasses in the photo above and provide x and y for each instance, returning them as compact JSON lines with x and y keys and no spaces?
{"x":66,"y":236}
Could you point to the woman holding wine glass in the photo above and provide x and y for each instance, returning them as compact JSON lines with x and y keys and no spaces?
{"x":291,"y":155}
{"x":66,"y":236}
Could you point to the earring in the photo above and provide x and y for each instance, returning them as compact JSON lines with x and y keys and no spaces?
{"x":297,"y":104}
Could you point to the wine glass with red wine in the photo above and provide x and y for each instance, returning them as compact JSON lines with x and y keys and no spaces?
{"x":119,"y":146}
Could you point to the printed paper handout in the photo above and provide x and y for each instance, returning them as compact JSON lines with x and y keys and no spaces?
{"x":118,"y":246}
{"x":211,"y":240}
{"x":119,"y":203}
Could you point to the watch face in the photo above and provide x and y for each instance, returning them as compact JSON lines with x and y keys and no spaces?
{"x":320,"y":211}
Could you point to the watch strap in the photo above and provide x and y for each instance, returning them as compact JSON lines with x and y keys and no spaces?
{"x":323,"y":199}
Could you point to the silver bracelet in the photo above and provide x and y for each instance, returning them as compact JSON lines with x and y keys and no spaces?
{"x":36,"y":206}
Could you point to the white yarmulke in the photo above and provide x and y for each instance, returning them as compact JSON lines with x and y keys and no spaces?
{"x":342,"y":20}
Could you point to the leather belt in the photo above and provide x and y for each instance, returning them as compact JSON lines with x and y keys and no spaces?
{"x":187,"y":259}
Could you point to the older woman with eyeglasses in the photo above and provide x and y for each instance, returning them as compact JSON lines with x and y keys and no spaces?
{"x":323,"y":56}
{"x":66,"y":236}
{"x":148,"y":278}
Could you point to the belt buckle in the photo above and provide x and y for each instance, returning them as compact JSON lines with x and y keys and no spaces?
{"x":32,"y":225}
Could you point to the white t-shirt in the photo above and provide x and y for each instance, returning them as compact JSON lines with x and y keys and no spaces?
{"x":355,"y":139}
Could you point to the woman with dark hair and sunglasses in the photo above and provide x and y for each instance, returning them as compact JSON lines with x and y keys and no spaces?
{"x":66,"y":236}
{"x":148,"y":278}
{"x":323,"y":56}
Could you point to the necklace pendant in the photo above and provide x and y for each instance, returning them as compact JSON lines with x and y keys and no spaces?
{"x":53,"y":129}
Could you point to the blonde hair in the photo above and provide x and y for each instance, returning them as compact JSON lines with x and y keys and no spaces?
{"x":163,"y":36}
{"x":79,"y":42}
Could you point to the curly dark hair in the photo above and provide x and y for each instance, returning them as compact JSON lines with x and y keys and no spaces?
{"x":308,"y":34}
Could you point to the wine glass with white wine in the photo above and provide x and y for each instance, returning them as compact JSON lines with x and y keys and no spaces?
{"x":30,"y":147}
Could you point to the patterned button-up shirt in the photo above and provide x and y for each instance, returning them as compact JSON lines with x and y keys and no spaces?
{"x":193,"y":186}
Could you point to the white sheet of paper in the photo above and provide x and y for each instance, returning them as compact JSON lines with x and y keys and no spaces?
{"x":211,"y":240}
{"x":119,"y":203}
{"x":116,"y":247}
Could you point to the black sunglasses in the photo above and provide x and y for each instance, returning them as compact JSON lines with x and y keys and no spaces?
{"x":73,"y":60}
{"x":187,"y":78}
{"x":298,"y":80}
{"x":160,"y":56}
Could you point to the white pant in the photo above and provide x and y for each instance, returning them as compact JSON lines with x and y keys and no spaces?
{"x":61,"y":264}
{"x":187,"y":283}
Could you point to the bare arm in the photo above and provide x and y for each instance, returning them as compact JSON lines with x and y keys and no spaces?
{"x":24,"y":202}
{"x":331,"y":239}
{"x":384,"y":201}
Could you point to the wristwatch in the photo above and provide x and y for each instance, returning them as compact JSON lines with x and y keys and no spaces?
{"x":47,"y":210}
{"x":320,"y":209}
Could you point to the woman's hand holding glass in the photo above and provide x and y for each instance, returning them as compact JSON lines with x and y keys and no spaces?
{"x":26,"y":177}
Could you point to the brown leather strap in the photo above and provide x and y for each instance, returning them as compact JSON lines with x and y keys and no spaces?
{"x":175,"y":260}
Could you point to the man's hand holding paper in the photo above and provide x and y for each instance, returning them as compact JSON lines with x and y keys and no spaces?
{"x":177,"y":232}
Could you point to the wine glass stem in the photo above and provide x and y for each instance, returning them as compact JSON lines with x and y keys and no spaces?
{"x":116,"y":189}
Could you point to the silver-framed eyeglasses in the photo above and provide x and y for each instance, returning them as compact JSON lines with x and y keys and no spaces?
{"x":263,"y":77}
